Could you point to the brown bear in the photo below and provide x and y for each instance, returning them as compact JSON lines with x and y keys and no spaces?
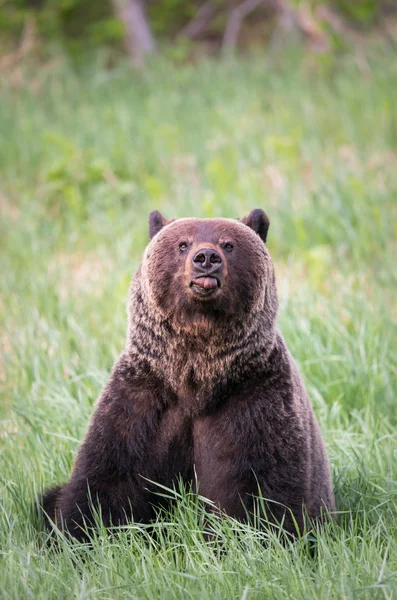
{"x":205,"y":390}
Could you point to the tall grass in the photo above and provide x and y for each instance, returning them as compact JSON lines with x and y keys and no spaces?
{"x":84,"y":156}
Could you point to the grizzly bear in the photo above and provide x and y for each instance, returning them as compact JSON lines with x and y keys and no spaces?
{"x":205,"y":390}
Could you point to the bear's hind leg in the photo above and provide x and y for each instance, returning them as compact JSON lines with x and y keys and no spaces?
{"x":47,"y":504}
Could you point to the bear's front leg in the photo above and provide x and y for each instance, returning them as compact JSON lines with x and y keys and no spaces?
{"x":253,"y":444}
{"x":136,"y":434}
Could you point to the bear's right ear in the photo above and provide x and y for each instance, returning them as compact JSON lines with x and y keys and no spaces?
{"x":259,"y":222}
{"x":156,"y":223}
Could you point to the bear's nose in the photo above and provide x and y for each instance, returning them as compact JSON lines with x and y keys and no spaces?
{"x":207,"y":259}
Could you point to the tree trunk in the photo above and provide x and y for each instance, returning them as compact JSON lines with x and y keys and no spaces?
{"x":139,"y":39}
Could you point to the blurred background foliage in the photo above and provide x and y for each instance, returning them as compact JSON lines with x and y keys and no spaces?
{"x":186,"y":27}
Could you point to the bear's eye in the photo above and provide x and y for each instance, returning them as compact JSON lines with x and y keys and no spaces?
{"x":183,"y":246}
{"x":228,"y":247}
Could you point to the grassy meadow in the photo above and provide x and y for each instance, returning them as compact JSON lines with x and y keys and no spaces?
{"x":85,"y":154}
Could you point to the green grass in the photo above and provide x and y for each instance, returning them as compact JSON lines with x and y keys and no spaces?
{"x":83,"y":158}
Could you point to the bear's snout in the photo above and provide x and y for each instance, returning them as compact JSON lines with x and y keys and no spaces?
{"x":207,"y":260}
{"x":207,"y":266}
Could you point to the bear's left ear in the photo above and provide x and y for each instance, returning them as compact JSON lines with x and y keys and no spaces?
{"x":259,"y":222}
{"x":156,"y":223}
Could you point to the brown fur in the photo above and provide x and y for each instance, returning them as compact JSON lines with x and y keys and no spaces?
{"x":204,"y":386}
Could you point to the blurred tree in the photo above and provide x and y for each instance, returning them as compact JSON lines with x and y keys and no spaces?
{"x":138,"y":36}
{"x":81,"y":24}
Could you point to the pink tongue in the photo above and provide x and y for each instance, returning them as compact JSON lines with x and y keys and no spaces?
{"x":208,"y":283}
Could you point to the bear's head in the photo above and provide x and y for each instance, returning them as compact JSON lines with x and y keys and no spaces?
{"x":202,"y":273}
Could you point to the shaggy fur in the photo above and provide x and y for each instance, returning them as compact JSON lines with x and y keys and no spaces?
{"x":205,"y":389}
